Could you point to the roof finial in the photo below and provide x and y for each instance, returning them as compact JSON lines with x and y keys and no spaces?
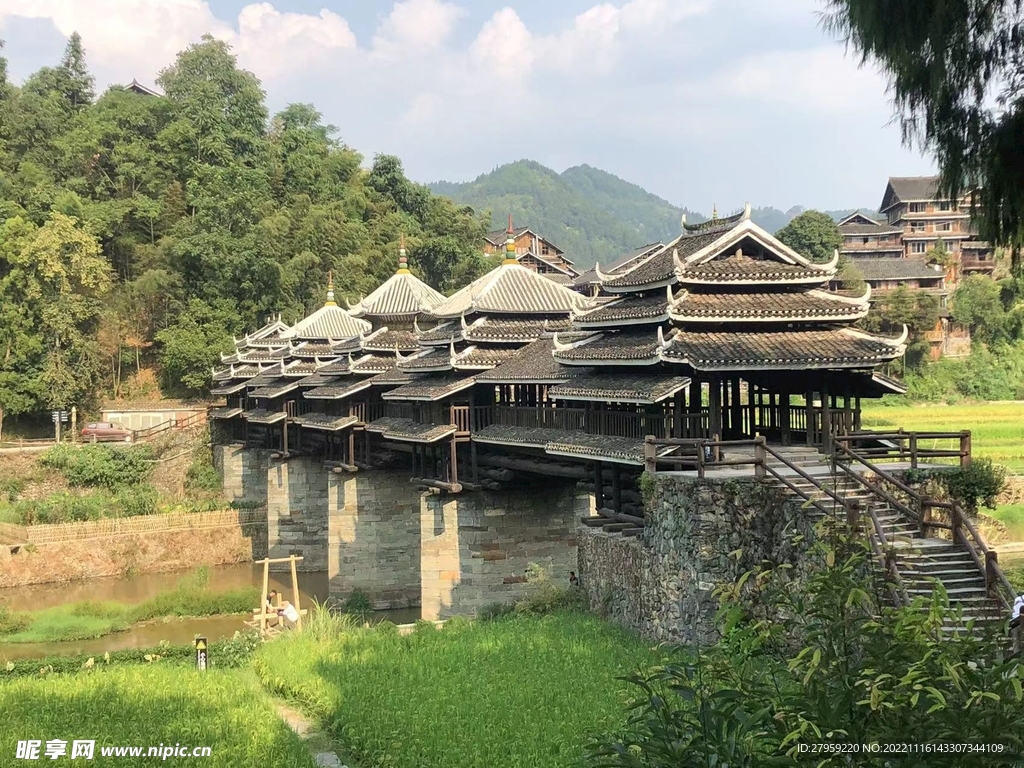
{"x":682,"y":221}
{"x":403,"y":263}
{"x":746,"y":211}
{"x":714,"y":211}
{"x":330,"y":289}
{"x":510,"y":244}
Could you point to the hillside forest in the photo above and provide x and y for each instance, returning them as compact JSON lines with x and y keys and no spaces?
{"x":140,"y":232}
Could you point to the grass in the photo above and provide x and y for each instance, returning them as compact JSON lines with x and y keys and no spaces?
{"x":81,"y":621}
{"x":1012,"y":516}
{"x":997,"y":429}
{"x":518,"y":692}
{"x":146,"y":706}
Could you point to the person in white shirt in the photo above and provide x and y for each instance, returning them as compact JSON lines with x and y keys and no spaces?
{"x":1017,"y":614}
{"x":287,"y":610}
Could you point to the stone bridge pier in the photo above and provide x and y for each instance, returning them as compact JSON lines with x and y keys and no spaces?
{"x":403,"y":547}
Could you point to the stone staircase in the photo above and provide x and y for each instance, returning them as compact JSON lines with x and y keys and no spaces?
{"x":920,"y":561}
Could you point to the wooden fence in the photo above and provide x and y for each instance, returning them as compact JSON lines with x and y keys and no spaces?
{"x":94,"y":529}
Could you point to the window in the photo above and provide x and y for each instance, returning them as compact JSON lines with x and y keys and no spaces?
{"x":918,"y":247}
{"x":953,"y":246}
{"x":945,"y":226}
{"x":867,"y":240}
{"x":945,"y":205}
{"x":917,"y":207}
{"x":917,"y":226}
{"x":544,"y":249}
{"x":942,"y":301}
{"x":982,"y":257}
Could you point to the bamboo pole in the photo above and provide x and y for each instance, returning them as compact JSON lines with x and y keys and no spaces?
{"x":295,"y":594}
{"x":263,"y":596}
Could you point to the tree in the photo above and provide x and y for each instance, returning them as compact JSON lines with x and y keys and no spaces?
{"x":812,"y":234}
{"x":938,"y":254}
{"x":917,"y":310}
{"x":79,"y":83}
{"x":945,"y":62}
{"x":191,"y":347}
{"x":977,"y":305}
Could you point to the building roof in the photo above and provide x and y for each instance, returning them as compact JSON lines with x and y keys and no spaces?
{"x":479,"y":358}
{"x":905,"y":189}
{"x":431,"y":359}
{"x":387,"y":340}
{"x":139,"y":88}
{"x":740,"y":268}
{"x":740,"y":350}
{"x":628,"y":310}
{"x":759,"y":307}
{"x":430,"y":388}
{"x":858,"y":217}
{"x":622,"y":450}
{"x":277,"y":389}
{"x":373,"y":363}
{"x":532,"y":363}
{"x":975,"y":245}
{"x":407,"y":430}
{"x":224,"y":412}
{"x":229,"y":389}
{"x":273,"y":328}
{"x":264,"y":416}
{"x":323,"y":421}
{"x":401,"y":295}
{"x":500,"y":236}
{"x":339,"y":390}
{"x":511,"y":289}
{"x":501,"y":329}
{"x":630,"y":387}
{"x":330,"y":322}
{"x":853,"y":229}
{"x":896,"y":269}
{"x":634,"y":347}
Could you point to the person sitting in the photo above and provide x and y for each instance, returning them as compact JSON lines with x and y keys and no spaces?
{"x":272,"y":610}
{"x":573,"y":581}
{"x":1017,"y":614}
{"x":288,"y":613}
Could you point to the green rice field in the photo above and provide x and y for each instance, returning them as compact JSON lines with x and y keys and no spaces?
{"x":145,"y":706}
{"x":997,"y":429}
{"x":517,"y":692}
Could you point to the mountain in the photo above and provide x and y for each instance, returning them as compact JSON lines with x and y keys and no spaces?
{"x":592,"y":214}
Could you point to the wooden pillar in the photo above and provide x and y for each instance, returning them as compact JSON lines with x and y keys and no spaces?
{"x":695,"y":396}
{"x":751,"y":417}
{"x":784,"y":406}
{"x":678,"y":407}
{"x":598,"y":485}
{"x":826,"y":418}
{"x":737,"y":408}
{"x":856,"y":414}
{"x":616,"y":488}
{"x":454,"y":463}
{"x":809,"y":413}
{"x":474,"y":467}
{"x":715,"y":407}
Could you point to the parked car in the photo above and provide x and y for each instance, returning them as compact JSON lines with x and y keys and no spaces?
{"x":105,"y":432}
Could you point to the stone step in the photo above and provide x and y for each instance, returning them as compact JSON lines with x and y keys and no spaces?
{"x":955,"y":593}
{"x":943,"y":574}
{"x":949,"y":582}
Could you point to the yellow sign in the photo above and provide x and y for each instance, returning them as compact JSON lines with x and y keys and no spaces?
{"x":201,"y":645}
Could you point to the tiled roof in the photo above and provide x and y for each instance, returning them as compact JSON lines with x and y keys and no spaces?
{"x":481,"y":358}
{"x":374,"y":363}
{"x":620,"y":387}
{"x":511,"y":289}
{"x":300,"y":368}
{"x":869,"y":229}
{"x":275,"y":390}
{"x":339,"y":366}
{"x":716,"y":225}
{"x":266,"y":379}
{"x":402,"y":294}
{"x":632,"y":308}
{"x":310,"y":350}
{"x":975,"y":245}
{"x":339,"y":391}
{"x":274,"y":340}
{"x":841,"y":348}
{"x":389,"y":377}
{"x":511,"y":329}
{"x":407,"y":430}
{"x":273,"y":329}
{"x":912,"y":188}
{"x":661,"y":267}
{"x":430,"y":387}
{"x":531,"y":436}
{"x":236,"y":372}
{"x":895,"y":269}
{"x":742,"y":268}
{"x":263,"y":416}
{"x":320,"y":379}
{"x":532,"y":363}
{"x":635,"y":255}
{"x":441,"y":334}
{"x":250,"y":355}
{"x":626,"y":450}
{"x":387,"y":340}
{"x":328,"y":322}
{"x":433,"y":359}
{"x":324,"y":421}
{"x":781,"y":305}
{"x":623,"y":346}
{"x":228,"y":389}
{"x":225,"y":412}
{"x":499,"y":236}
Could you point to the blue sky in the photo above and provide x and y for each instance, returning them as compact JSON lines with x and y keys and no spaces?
{"x":699,"y":101}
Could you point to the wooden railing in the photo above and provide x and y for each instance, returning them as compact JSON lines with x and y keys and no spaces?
{"x":909,"y":446}
{"x":461,"y":418}
{"x":190,"y":421}
{"x":700,"y":454}
{"x":962,"y":530}
{"x":596,"y":422}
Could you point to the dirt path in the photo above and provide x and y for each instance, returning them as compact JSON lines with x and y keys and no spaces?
{"x":319,"y":744}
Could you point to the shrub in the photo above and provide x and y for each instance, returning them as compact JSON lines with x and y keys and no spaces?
{"x":136,"y":501}
{"x":980,"y":481}
{"x":100,"y":466}
{"x":493,"y":611}
{"x":201,"y":475}
{"x":11,"y":622}
{"x":357,"y":604}
{"x":11,"y":488}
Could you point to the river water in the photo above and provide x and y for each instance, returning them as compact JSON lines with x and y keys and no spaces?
{"x":174,"y":630}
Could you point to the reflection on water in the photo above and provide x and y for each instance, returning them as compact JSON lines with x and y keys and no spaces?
{"x":136,"y":589}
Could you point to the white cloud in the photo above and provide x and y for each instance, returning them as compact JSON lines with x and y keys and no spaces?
{"x":416,"y":27}
{"x":816,"y":80}
{"x":504,"y":47}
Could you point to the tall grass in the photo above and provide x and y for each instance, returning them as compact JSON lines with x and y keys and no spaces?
{"x":144,"y":706}
{"x":519,"y":692}
{"x":81,"y":621}
{"x":997,"y":429}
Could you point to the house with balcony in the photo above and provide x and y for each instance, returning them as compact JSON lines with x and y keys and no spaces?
{"x":534,"y":252}
{"x":866,"y":237}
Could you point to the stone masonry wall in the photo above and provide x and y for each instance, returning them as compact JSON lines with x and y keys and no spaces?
{"x":700,"y":534}
{"x":374,"y":538}
{"x":476,"y":547}
{"x":297,"y":512}
{"x":243,"y":472}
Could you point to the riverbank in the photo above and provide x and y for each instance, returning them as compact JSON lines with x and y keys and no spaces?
{"x":190,"y":597}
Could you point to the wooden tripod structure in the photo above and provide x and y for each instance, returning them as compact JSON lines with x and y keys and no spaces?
{"x":263,"y":614}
